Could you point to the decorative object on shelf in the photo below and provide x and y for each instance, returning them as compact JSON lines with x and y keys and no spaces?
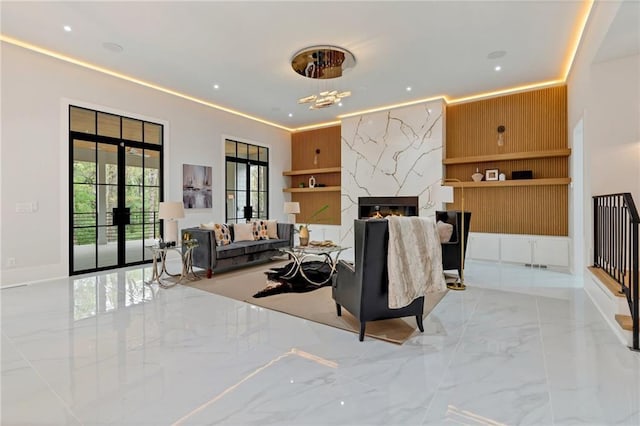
{"x":502,"y":177}
{"x":522,"y":174}
{"x":446,"y":193}
{"x":312,"y":182}
{"x":169,"y":211}
{"x":477,"y":176}
{"x":315,"y":157}
{"x":323,"y":62}
{"x":491,"y":174}
{"x":501,"y":130}
{"x":196,"y":187}
{"x":292,"y":208}
{"x":301,"y":184}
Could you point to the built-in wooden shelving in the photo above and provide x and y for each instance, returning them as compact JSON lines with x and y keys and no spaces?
{"x":316,"y":189}
{"x":516,"y":182}
{"x":311,"y":171}
{"x":512,"y":156}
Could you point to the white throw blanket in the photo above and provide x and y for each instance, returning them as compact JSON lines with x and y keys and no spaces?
{"x":414,"y":259}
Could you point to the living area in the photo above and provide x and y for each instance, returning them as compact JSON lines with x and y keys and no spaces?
{"x":524,"y":343}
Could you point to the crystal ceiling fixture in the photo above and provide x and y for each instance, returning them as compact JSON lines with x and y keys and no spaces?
{"x":323,"y":63}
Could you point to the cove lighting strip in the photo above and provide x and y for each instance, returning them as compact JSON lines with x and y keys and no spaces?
{"x":93,"y":67}
{"x":568,"y":63}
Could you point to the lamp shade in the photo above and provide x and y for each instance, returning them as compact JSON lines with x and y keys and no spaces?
{"x":292,"y":207}
{"x":171,"y":210}
{"x":446,"y":194}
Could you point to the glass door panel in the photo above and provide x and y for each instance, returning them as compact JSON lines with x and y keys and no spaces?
{"x":134,"y":201}
{"x":106,"y":201}
{"x":152,"y":194}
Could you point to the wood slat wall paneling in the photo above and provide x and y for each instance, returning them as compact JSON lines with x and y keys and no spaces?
{"x":304,"y":144}
{"x":311,"y":202}
{"x":534,"y":121}
{"x":534,"y":210}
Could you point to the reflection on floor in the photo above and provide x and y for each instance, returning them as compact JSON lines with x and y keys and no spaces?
{"x":84,"y":255}
{"x":520,"y":346}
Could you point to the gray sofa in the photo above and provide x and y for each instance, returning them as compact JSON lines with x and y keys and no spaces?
{"x":214,"y":258}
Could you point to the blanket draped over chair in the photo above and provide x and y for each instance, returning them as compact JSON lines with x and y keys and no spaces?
{"x":414,"y":259}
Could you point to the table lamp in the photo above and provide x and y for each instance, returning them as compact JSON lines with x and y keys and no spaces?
{"x":169,"y":211}
{"x":292,"y":208}
{"x":446,"y":196}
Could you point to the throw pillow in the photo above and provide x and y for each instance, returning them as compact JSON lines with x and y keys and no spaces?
{"x":222,"y":234}
{"x":243,"y":232}
{"x":445,"y":230}
{"x":272,"y":229}
{"x":260,"y":230}
{"x":210,"y":225}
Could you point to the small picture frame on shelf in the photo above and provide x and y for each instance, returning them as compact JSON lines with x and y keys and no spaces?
{"x":491,"y":174}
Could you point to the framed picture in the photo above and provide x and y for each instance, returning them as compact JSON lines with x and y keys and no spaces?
{"x":491,"y":174}
{"x":196,"y":186}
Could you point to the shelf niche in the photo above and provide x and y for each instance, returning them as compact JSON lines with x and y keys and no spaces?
{"x":326,"y":171}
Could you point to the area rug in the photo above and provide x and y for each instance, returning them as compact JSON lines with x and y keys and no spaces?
{"x":317,"y":305}
{"x":280,"y":279}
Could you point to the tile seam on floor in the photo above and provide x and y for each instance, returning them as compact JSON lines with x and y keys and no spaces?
{"x":453,"y":354}
{"x":544,"y":361}
{"x":41,"y":377}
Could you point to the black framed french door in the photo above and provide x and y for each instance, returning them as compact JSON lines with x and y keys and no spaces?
{"x":115,"y":188}
{"x":246,"y":181}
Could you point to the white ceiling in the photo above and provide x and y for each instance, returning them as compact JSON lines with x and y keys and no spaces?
{"x":437,"y":48}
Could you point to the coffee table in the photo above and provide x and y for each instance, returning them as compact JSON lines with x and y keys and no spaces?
{"x":301,"y":254}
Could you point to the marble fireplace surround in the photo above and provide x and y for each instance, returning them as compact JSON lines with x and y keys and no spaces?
{"x":392,"y":153}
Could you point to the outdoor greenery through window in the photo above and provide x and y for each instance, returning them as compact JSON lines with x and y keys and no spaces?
{"x":247,"y":181}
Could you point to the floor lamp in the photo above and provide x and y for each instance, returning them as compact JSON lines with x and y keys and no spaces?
{"x":169,"y":211}
{"x":447,"y":197}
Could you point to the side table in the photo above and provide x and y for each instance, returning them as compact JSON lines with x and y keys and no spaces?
{"x":160,"y":263}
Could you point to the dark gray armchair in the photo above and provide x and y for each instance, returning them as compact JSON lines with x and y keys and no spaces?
{"x":452,"y":250}
{"x":362,"y":287}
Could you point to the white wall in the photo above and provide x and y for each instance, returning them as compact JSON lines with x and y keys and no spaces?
{"x":392,"y":153}
{"x":34,"y":153}
{"x":606,"y":95}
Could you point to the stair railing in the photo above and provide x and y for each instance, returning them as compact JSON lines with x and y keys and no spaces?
{"x":615,"y":247}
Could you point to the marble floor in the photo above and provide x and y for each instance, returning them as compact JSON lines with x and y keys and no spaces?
{"x":520,"y":346}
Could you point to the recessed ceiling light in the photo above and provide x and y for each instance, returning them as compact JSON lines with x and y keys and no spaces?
{"x":498,"y":68}
{"x":290,"y":115}
{"x":215,"y":86}
{"x":339,"y":104}
{"x":67,"y":28}
{"x":496,"y":54}
{"x":408,"y":88}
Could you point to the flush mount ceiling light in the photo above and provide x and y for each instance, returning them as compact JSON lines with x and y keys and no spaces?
{"x":323,"y":63}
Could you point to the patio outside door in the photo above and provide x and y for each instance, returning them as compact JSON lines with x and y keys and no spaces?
{"x":115,"y":191}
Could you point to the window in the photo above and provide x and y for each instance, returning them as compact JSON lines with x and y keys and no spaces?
{"x":247,"y":181}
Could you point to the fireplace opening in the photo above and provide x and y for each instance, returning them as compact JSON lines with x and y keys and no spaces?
{"x":380,"y":207}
